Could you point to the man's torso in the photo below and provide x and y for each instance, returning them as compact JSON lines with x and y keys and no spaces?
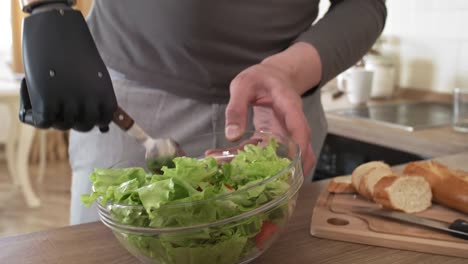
{"x":195,"y":47}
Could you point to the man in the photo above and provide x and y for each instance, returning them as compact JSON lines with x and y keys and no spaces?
{"x":183,"y":68}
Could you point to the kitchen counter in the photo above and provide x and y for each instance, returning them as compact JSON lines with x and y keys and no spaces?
{"x":94,"y":243}
{"x":429,"y":142}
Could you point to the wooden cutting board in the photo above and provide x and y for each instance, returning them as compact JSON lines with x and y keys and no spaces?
{"x":332,"y":218}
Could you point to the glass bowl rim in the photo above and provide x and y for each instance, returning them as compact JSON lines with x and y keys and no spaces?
{"x":292,"y":163}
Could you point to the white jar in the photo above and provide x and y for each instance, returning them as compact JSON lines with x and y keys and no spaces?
{"x":383,"y":83}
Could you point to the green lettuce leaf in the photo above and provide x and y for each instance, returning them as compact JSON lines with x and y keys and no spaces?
{"x":192,"y":170}
{"x":105,"y":182}
{"x":255,"y":163}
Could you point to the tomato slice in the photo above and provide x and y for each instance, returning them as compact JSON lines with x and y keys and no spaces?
{"x":267,"y":231}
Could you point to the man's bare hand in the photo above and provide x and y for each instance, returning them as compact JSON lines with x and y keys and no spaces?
{"x":274,"y":88}
{"x":277,"y":108}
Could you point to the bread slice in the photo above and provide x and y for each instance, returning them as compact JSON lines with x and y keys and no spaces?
{"x":369,"y":180}
{"x":341,"y":184}
{"x":449,"y":188}
{"x":410,"y":194}
{"x":365,"y":176}
{"x":362,"y":169}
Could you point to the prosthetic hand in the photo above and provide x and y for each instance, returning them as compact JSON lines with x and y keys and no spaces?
{"x":66,"y":84}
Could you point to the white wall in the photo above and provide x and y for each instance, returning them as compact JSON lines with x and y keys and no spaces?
{"x":430,"y":39}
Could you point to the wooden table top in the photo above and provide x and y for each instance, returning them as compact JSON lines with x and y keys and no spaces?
{"x":429,"y":143}
{"x":94,"y":243}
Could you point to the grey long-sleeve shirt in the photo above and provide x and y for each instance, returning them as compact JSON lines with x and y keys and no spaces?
{"x":194,"y":48}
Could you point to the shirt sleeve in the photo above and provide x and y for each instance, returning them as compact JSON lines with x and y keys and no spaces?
{"x":346,"y":32}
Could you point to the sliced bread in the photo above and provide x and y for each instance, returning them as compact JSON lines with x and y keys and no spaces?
{"x":341,"y":184}
{"x":410,"y":194}
{"x":362,"y":169}
{"x":365,"y":176}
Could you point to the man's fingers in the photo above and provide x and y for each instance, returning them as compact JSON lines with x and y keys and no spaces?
{"x":227,"y":154}
{"x":309,"y":160}
{"x":89,"y":117}
{"x":67,"y":116}
{"x":297,"y":126}
{"x":232,"y":150}
{"x":237,"y":108}
{"x":45,"y":116}
{"x":301,"y":135}
{"x":105,"y":115}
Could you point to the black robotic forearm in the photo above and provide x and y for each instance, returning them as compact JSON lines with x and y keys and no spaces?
{"x":29,"y":5}
{"x":66,"y":85}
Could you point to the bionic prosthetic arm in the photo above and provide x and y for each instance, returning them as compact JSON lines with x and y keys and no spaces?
{"x":28,"y":5}
{"x":66,"y":84}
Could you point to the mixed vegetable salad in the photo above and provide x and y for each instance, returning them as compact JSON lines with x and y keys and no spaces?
{"x":193,"y":192}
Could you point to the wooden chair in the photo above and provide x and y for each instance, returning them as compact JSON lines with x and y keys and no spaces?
{"x":18,"y":145}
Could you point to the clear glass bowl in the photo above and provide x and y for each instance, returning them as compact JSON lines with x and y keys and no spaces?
{"x":236,"y":238}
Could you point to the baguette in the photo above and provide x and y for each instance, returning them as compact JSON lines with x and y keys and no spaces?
{"x":449,"y":188}
{"x":462,"y":174}
{"x":365,"y":176}
{"x":342,"y":184}
{"x":409,"y":194}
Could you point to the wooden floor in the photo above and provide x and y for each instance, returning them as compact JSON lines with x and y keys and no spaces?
{"x":54,"y":192}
